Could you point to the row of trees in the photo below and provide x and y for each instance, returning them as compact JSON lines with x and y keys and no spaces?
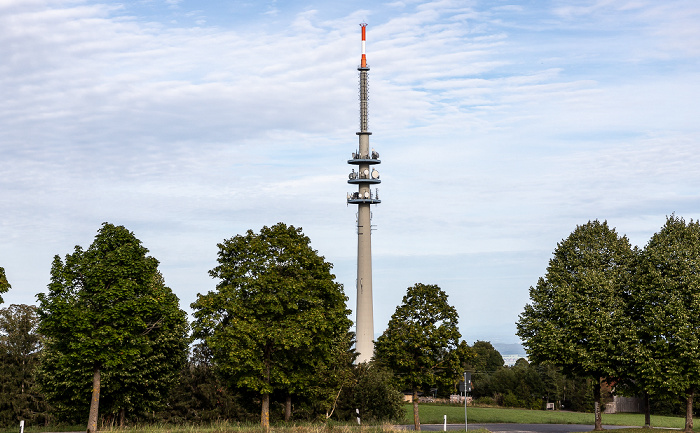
{"x":199,"y":395}
{"x":422,"y":347}
{"x":530,"y":386}
{"x":628,"y":316}
{"x":110,"y":338}
{"x":275,"y":329}
{"x":275,"y":332}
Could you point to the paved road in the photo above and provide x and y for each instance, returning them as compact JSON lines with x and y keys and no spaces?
{"x":516,"y":428}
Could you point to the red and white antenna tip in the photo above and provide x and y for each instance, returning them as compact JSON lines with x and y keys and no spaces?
{"x":363,"y":63}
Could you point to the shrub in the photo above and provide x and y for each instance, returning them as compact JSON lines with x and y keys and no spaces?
{"x":374,"y":394}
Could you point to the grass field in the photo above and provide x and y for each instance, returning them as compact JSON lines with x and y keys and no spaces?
{"x":226,"y":427}
{"x":433,"y":414}
{"x":429,"y":413}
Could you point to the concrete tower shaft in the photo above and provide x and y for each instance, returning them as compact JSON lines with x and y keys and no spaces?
{"x":366,"y":176}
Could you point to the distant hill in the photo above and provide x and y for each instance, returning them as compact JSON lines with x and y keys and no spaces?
{"x":510,"y":352}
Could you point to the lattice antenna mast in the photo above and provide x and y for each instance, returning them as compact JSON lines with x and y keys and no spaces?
{"x":364,"y":178}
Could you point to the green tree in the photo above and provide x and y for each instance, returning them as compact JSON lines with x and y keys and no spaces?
{"x":4,"y":284}
{"x":20,"y":345}
{"x":465,"y":356}
{"x":577,"y":316}
{"x":276,"y":315}
{"x":420,"y":342}
{"x":201,"y":396}
{"x":323,"y":386}
{"x":108,"y":311}
{"x":373,"y":393}
{"x":486,"y":358}
{"x":666,"y":306}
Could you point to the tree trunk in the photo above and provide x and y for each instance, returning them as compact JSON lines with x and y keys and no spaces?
{"x":647,"y":411}
{"x":689,"y":413}
{"x":122,"y":415}
{"x":265,"y":413}
{"x":335,"y":403}
{"x":288,"y":408}
{"x":95,"y":402}
{"x":416,"y":418}
{"x":596,"y":398}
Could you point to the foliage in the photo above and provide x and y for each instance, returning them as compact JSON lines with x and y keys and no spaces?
{"x":530,"y":386}
{"x":577,"y":316}
{"x":19,"y":351}
{"x":485,"y":358}
{"x":420,"y":342}
{"x":319,"y":397}
{"x":108,"y":310}
{"x":277,"y":314}
{"x":465,"y":356}
{"x":200,"y":396}
{"x":4,"y":284}
{"x":374,"y":394}
{"x":419,"y":339}
{"x":666,"y":306}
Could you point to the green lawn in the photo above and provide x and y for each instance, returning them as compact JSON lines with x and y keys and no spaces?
{"x":429,"y":413}
{"x":226,"y":427}
{"x":433,"y":414}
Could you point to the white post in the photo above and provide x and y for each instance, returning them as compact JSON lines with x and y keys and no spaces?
{"x":21,"y":426}
{"x":466,"y":426}
{"x":444,"y":423}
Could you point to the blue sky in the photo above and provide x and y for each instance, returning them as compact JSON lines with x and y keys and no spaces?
{"x":501,"y":126}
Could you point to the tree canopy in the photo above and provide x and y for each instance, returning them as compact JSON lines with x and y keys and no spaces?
{"x":4,"y":284}
{"x":420,"y":342}
{"x":485,"y":357}
{"x":276,"y":315}
{"x":666,"y":308}
{"x":577,"y":316}
{"x":374,"y":394}
{"x":19,"y":355}
{"x":108,"y":310}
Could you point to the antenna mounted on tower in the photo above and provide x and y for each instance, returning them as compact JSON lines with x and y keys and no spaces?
{"x":363,"y":63}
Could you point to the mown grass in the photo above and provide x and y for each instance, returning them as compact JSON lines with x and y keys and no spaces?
{"x":429,"y":413}
{"x":29,"y":428}
{"x":433,"y":414}
{"x":224,"y":427}
{"x":643,"y":430}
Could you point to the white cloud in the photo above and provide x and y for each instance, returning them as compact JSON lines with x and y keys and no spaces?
{"x":500,"y":129}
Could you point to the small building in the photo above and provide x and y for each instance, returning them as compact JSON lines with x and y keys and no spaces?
{"x":625,"y":405}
